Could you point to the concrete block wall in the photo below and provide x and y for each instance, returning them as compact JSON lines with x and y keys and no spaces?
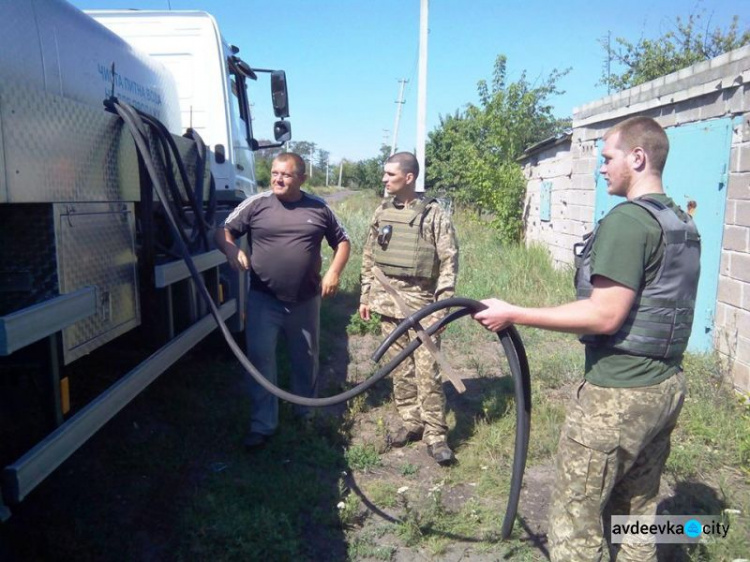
{"x":552,"y":165}
{"x":708,"y":90}
{"x":733,"y":300}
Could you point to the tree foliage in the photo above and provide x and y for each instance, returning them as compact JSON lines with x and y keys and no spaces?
{"x":472,"y":154}
{"x":366,"y":174}
{"x":689,"y":42}
{"x":308,"y":150}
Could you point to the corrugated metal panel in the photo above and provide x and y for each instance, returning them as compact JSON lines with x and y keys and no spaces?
{"x":96,"y":247}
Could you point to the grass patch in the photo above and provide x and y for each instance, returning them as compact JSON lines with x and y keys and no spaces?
{"x":359,"y":327}
{"x":714,"y":428}
{"x":362,"y":457}
{"x":382,"y":494}
{"x":368,"y":545}
{"x":170,"y":479}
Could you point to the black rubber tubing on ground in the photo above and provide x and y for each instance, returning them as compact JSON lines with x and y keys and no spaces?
{"x":509,"y":338}
{"x":519,"y":368}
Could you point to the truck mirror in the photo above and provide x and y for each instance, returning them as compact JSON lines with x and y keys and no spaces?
{"x":220,"y":154}
{"x":282,"y":131}
{"x":279,"y":94}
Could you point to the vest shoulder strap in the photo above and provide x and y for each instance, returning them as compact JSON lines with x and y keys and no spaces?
{"x":418,"y":211}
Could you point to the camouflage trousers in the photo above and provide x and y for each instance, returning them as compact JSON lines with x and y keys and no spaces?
{"x":612,"y":450}
{"x":417,"y":386}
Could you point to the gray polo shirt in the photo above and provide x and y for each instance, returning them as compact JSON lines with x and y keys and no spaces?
{"x":285,"y":242}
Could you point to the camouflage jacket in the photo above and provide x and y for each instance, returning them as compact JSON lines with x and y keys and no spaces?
{"x":437,"y":228}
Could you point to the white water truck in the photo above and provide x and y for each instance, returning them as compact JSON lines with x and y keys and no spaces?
{"x":86,"y":254}
{"x":106,"y":213}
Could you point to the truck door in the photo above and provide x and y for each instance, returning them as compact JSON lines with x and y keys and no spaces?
{"x":241,"y":127}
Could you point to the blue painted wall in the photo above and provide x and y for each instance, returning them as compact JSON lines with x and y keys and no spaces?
{"x":696,"y":171}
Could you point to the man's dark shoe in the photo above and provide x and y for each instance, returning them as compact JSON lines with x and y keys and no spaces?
{"x":255,"y":441}
{"x":441,"y":452}
{"x":404,"y":436}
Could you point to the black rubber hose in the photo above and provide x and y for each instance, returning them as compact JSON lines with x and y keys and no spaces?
{"x":199,"y":172}
{"x":190,"y":190}
{"x":141,"y":127}
{"x":519,"y":368}
{"x":509,"y":338}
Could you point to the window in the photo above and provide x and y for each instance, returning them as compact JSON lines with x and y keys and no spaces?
{"x":545,"y":201}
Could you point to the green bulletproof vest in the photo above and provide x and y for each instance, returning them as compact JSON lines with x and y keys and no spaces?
{"x":661,"y":318}
{"x":404,"y":252}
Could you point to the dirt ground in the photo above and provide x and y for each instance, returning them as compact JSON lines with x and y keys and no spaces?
{"x":347,"y":359}
{"x":531,"y":524}
{"x":380,"y":417}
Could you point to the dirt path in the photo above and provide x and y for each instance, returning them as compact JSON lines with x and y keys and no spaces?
{"x":339,"y":195}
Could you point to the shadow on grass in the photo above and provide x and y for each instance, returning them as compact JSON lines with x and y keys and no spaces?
{"x":488,"y":398}
{"x":536,"y":540}
{"x":689,"y":498}
{"x":167,"y":478}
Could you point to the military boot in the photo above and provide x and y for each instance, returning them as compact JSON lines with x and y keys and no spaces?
{"x":404,"y":436}
{"x":441,"y":452}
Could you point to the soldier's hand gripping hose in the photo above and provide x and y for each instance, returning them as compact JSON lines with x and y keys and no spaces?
{"x":509,"y":338}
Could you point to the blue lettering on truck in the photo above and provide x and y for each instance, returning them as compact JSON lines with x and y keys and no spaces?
{"x":134,"y":93}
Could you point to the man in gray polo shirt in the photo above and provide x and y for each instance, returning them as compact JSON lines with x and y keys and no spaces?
{"x":285,"y":228}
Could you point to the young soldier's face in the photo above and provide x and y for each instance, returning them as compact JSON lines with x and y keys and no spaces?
{"x":616,"y":168}
{"x":396,"y":182}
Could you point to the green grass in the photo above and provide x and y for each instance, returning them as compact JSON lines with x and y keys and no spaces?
{"x":714,"y":431}
{"x":362,"y":457}
{"x":172,"y":479}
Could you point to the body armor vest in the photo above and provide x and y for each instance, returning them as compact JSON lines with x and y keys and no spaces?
{"x":401,"y":249}
{"x":660,"y":321}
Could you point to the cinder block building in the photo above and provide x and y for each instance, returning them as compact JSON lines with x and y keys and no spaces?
{"x":705,"y":110}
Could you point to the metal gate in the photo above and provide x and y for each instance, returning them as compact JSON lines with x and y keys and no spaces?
{"x":697,"y":173}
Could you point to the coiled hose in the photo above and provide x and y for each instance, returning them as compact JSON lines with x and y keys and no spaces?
{"x":509,"y":337}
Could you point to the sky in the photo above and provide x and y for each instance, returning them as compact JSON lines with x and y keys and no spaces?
{"x":344,"y":58}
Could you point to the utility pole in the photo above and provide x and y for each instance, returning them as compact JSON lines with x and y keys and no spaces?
{"x":328,"y":163}
{"x":399,"y":102}
{"x":422,"y":92}
{"x":608,"y":61}
{"x":341,"y":170}
{"x":386,"y":134}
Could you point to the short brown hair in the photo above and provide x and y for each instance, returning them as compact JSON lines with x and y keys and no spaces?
{"x":646,"y":133}
{"x":406,"y":161}
{"x":299,"y":163}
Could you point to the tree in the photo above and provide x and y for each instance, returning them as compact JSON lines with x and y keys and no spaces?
{"x":306,"y":149}
{"x":263,"y":159}
{"x":472,"y":154}
{"x":368,"y":174}
{"x":688,"y":43}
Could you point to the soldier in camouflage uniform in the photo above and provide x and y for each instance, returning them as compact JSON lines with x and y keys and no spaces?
{"x":412,"y":240}
{"x":636,"y":281}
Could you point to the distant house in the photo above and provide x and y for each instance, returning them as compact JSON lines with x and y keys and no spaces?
{"x":705,"y":110}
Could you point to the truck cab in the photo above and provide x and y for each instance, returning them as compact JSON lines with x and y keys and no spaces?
{"x":212,"y":85}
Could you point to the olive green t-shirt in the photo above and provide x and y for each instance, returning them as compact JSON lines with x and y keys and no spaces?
{"x":628,"y":250}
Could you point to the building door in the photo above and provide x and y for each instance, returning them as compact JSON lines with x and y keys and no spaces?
{"x":696,"y":177}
